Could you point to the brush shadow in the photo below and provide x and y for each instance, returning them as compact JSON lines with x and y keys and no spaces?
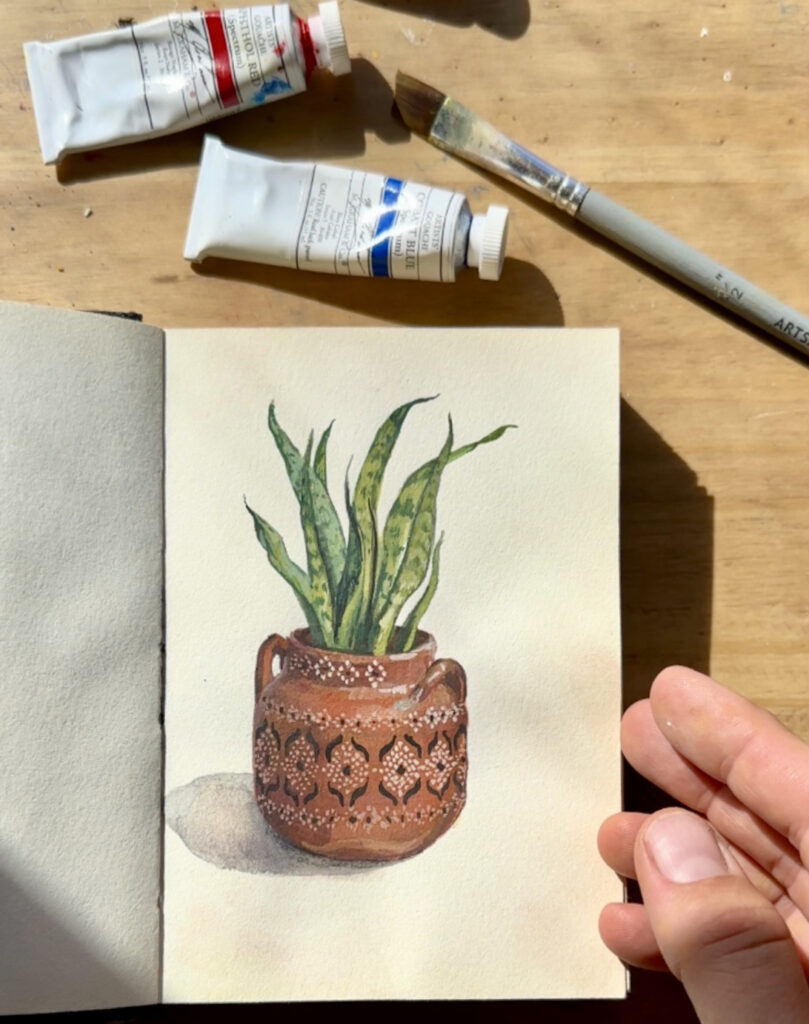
{"x":328,"y":121}
{"x":522,"y":297}
{"x":506,"y":18}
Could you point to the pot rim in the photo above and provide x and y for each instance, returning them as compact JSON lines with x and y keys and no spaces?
{"x":425,"y":645}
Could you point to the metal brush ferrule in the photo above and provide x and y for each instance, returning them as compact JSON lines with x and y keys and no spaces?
{"x":457,"y":130}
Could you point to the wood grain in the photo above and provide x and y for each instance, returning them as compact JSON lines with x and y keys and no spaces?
{"x":692,"y":114}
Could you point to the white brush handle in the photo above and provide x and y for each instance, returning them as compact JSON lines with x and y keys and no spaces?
{"x":693,"y":268}
{"x":457,"y":130}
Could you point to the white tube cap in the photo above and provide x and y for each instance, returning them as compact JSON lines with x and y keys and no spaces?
{"x":486,"y":248}
{"x":328,"y":38}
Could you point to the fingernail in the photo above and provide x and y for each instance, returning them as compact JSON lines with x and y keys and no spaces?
{"x":684,"y":848}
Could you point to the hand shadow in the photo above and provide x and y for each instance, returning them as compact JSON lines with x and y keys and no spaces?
{"x":522,"y":297}
{"x":507,"y":18}
{"x":328,"y":121}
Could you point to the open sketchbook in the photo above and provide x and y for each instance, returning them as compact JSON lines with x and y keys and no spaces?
{"x":156,"y":836}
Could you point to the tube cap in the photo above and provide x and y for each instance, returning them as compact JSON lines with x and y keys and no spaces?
{"x":331,"y":49}
{"x":486,"y":248}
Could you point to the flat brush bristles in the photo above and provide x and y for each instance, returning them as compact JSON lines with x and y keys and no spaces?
{"x":417,"y":103}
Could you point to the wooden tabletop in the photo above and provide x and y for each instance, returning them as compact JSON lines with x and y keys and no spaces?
{"x":694,"y":115}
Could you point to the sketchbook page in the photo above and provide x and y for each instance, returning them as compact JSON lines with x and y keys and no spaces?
{"x":80,"y":634}
{"x":504,"y":903}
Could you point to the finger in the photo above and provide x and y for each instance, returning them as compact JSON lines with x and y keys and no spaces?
{"x":793,"y":915}
{"x":616,"y":841}
{"x":764,"y":765}
{"x":616,"y":844}
{"x":625,"y":930}
{"x":722,"y":938}
{"x":649,"y":751}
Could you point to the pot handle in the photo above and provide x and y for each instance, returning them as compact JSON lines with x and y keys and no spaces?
{"x":274,"y":646}
{"x":446,"y":671}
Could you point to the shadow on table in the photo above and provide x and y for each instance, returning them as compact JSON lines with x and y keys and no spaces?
{"x":522,"y":297}
{"x":666,"y":599}
{"x":507,"y":18}
{"x":327,"y":122}
{"x":666,"y":558}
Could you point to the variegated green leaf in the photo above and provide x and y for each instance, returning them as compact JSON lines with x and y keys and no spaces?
{"x":331,"y":541}
{"x":465,"y":449}
{"x":407,"y":543}
{"x":405,"y":636}
{"x":405,"y":506}
{"x":318,"y":577}
{"x":355,"y":595}
{"x":351,"y":572}
{"x":369,"y":481}
{"x":329,"y":531}
{"x":272,"y":542}
{"x":320,"y":457}
{"x":293,"y":460}
{"x":355,"y":625}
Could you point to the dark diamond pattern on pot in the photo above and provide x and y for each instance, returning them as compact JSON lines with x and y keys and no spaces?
{"x":325,"y":783}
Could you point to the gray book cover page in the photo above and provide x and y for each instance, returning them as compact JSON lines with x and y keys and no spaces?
{"x":81,"y":537}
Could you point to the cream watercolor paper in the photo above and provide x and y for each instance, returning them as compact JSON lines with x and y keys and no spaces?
{"x":505,"y":903}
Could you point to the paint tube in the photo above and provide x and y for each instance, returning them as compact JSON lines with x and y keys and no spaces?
{"x":167,"y":74}
{"x":336,"y":220}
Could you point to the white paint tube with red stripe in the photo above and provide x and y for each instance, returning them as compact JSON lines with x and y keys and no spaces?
{"x":160,"y":76}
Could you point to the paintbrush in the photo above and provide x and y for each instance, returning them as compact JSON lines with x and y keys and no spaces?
{"x":452,"y":127}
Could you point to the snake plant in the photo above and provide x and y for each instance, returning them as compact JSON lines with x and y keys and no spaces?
{"x":357,"y":584}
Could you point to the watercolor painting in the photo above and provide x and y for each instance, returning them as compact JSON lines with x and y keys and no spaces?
{"x":391,"y":708}
{"x":360,"y":737}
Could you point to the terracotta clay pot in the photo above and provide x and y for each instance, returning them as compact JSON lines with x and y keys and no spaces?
{"x":359,"y":757}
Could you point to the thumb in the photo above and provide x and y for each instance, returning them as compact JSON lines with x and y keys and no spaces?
{"x":722,"y":938}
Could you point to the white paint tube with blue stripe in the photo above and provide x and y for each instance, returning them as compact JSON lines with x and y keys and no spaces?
{"x":337,"y":220}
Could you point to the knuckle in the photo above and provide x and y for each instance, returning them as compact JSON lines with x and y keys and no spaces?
{"x":740,"y":937}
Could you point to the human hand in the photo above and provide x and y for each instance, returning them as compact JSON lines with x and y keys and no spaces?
{"x":726,"y":890}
